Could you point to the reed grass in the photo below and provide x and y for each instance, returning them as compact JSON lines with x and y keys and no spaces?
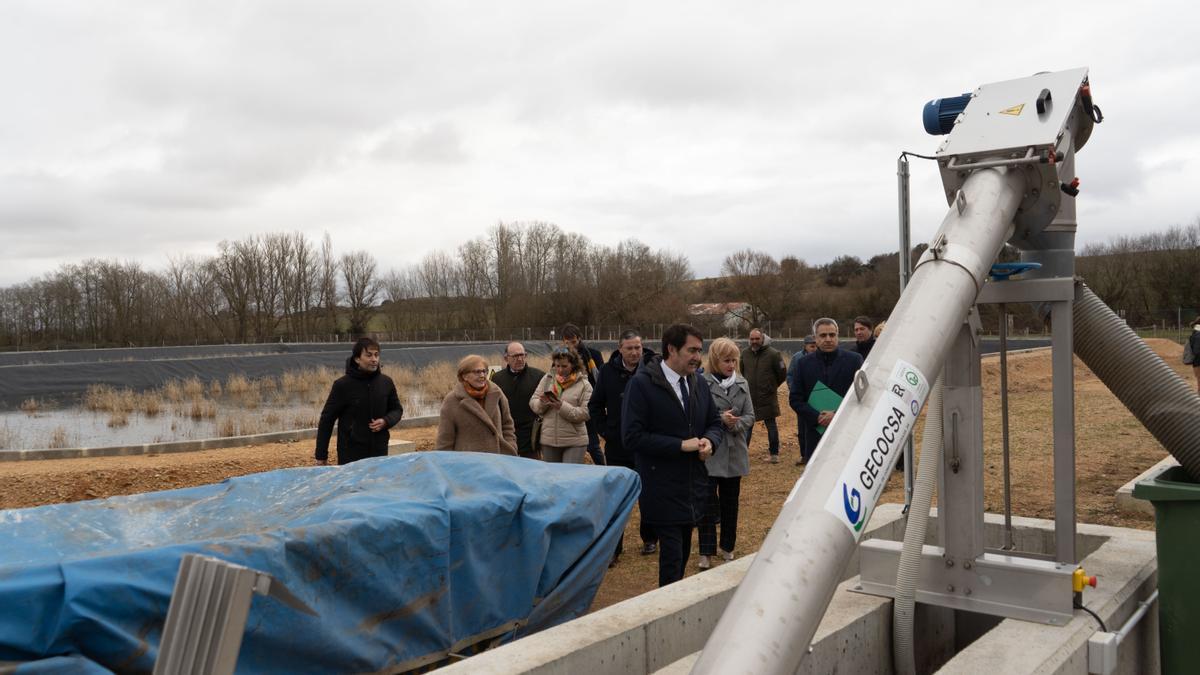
{"x":30,"y":406}
{"x":201,"y":409}
{"x":437,"y":379}
{"x":193,"y":387}
{"x":118,"y":418}
{"x":237,"y":384}
{"x":59,"y":438}
{"x":151,"y":403}
{"x":103,"y":398}
{"x":240,"y":425}
{"x":10,"y":438}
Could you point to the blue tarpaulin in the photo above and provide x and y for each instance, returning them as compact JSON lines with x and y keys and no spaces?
{"x":404,"y":559}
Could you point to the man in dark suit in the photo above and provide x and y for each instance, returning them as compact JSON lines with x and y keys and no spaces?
{"x":669,"y":422}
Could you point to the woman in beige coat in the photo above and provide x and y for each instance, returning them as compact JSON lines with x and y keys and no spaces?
{"x":562,"y":401}
{"x":475,"y":415}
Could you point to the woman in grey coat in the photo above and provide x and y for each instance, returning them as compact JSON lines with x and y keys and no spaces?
{"x":731,"y":458}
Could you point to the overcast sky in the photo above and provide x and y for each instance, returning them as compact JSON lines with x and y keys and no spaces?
{"x":141,"y":130}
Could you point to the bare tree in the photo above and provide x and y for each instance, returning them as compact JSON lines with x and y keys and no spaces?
{"x":230,"y":272}
{"x":754,"y":277}
{"x":435,"y":275}
{"x":327,"y":273}
{"x":362,"y":289}
{"x":399,"y":288}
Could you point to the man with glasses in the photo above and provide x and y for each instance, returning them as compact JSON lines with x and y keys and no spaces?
{"x":519,"y":383}
{"x":817,"y":382}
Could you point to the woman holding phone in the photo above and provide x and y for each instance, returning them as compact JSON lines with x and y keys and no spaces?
{"x":730,"y":460}
{"x":562,"y":401}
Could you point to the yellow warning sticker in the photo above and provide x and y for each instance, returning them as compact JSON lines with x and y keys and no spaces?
{"x":1015,"y":110}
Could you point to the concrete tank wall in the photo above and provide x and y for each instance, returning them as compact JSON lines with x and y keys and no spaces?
{"x":662,"y":631}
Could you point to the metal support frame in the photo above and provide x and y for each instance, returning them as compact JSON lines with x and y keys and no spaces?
{"x":960,"y":485}
{"x":905,"y":218}
{"x":1020,"y":585}
{"x":1000,"y":585}
{"x":1063,"y":374}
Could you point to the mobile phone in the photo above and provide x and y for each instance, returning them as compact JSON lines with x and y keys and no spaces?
{"x":550,"y":394}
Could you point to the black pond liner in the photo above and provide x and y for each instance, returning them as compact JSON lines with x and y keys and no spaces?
{"x":62,"y":377}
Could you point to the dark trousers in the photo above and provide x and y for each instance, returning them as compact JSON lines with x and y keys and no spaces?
{"x":772,"y":435}
{"x":723,"y":509}
{"x":805,"y":452}
{"x":645,"y":530}
{"x":524,"y":435}
{"x":594,"y":450}
{"x":674,"y":547}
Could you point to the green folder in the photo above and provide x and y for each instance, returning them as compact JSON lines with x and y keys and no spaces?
{"x":823,"y":398}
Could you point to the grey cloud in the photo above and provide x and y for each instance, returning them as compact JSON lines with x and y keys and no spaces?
{"x":439,"y":143}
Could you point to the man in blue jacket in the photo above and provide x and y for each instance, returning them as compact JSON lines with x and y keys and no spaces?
{"x":670,"y":424}
{"x":831,"y":366}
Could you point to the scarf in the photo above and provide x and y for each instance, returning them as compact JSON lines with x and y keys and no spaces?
{"x":728,"y":382}
{"x":477,"y":394}
{"x":561,"y":384}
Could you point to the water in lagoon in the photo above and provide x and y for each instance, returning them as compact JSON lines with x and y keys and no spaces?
{"x":76,"y":427}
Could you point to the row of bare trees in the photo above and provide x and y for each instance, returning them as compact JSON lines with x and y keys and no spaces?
{"x":287,"y":287}
{"x":535,"y":274}
{"x":1148,"y":278}
{"x":261,"y":288}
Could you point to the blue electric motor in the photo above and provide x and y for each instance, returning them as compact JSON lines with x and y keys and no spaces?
{"x":940,"y":113}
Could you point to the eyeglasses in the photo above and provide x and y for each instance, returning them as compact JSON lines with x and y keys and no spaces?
{"x":478,"y":371}
{"x":516,"y":356}
{"x":563,"y":350}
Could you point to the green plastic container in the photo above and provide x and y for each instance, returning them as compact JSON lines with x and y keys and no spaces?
{"x":1176,"y":500}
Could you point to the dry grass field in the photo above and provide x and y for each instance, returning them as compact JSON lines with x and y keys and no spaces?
{"x":1112,"y":448}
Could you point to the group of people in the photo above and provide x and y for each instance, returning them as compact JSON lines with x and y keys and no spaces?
{"x":681,"y":418}
{"x":817,"y":378}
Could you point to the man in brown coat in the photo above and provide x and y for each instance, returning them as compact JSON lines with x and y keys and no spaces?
{"x":764,"y":370}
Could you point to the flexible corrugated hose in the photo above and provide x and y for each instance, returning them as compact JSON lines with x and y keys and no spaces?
{"x":914,"y":536}
{"x":1166,"y":405}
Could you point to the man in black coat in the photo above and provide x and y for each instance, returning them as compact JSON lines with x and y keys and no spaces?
{"x":605,"y":410}
{"x":669,"y":422}
{"x":592,"y":360}
{"x":519,"y":382}
{"x":829,"y":365}
{"x":364,"y":404}
{"x":864,"y":336}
